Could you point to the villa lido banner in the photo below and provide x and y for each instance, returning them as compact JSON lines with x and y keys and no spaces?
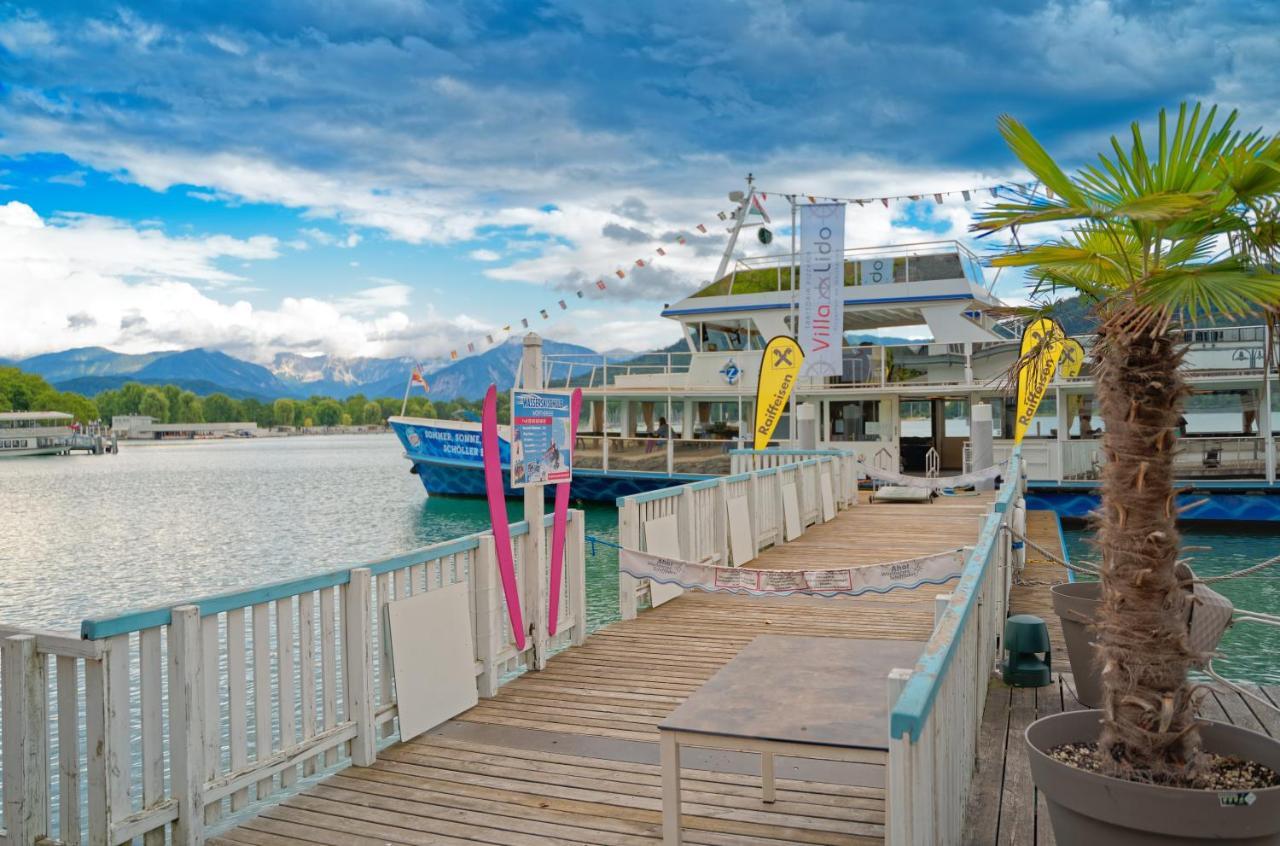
{"x":935,"y":569}
{"x":821,"y":288}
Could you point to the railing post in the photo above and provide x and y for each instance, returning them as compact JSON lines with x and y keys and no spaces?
{"x":186,"y":724}
{"x":684,"y":524}
{"x":628,"y":537}
{"x":357,"y":651}
{"x":578,"y":576}
{"x":940,"y":603}
{"x":486,"y":567}
{"x":26,"y":739}
{"x":899,"y":778}
{"x":721,"y":518}
{"x":753,"y":500}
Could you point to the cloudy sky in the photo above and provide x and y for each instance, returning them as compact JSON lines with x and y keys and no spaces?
{"x":401,"y":176}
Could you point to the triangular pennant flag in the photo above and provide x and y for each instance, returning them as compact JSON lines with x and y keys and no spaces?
{"x":722,"y":215}
{"x":701,"y":228}
{"x":453,"y":354}
{"x":913,"y":196}
{"x":563,"y":304}
{"x":813,"y":199}
{"x":506,"y":328}
{"x":581,"y":295}
{"x":600,"y":284}
{"x":524,"y":321}
{"x":758,"y":208}
{"x":764,"y":197}
{"x":965,"y":194}
{"x":661,"y":251}
{"x":544,"y":314}
{"x":680,"y":239}
{"x":471,"y":347}
{"x":621,"y":274}
{"x":937,"y":198}
{"x":861,"y":202}
{"x":993,"y":192}
{"x":885,"y":200}
{"x":639,"y":262}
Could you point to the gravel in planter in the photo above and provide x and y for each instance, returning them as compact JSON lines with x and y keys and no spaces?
{"x":1221,"y":772}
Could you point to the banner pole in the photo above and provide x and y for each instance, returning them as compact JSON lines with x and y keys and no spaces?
{"x":535,"y":557}
{"x":795,"y":318}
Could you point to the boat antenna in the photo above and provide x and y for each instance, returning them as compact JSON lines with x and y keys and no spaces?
{"x":739,"y":218}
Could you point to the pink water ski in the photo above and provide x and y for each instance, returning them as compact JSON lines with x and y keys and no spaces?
{"x":497,"y":497}
{"x":560,"y":521}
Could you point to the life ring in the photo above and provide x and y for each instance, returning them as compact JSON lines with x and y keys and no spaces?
{"x":1019,"y":525}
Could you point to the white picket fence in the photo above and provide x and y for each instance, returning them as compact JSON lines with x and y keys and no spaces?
{"x":936,"y":707}
{"x":702,"y":519}
{"x":156,"y":724}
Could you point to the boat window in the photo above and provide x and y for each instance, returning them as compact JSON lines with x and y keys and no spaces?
{"x":956,"y":418}
{"x":855,"y":420}
{"x":718,"y":420}
{"x":1226,"y":412}
{"x":1084,"y":420}
{"x":726,"y":335}
{"x":1043,"y":425}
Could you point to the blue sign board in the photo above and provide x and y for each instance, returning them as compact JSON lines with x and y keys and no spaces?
{"x":541,"y":446}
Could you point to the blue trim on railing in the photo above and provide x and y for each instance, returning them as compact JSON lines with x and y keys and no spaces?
{"x":916,"y":700}
{"x":1062,"y":539}
{"x":97,"y":628}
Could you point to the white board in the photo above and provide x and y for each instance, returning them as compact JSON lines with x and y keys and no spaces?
{"x":738,"y":513}
{"x":791,"y":512}
{"x":828,"y":497}
{"x":662,"y":537}
{"x":433,"y":657}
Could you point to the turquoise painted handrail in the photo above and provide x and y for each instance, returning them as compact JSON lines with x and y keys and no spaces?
{"x":703,"y":484}
{"x":916,"y":700}
{"x":97,"y":628}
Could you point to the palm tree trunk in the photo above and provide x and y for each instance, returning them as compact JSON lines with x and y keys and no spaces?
{"x":1149,"y":731}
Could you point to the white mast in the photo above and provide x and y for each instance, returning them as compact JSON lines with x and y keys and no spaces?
{"x":739,"y":218}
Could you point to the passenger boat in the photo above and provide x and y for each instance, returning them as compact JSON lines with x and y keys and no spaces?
{"x":905,"y":407}
{"x":24,"y":433}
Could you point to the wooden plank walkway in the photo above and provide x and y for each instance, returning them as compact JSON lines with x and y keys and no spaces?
{"x":1004,"y":806}
{"x":569,"y":754}
{"x":1030,"y":592}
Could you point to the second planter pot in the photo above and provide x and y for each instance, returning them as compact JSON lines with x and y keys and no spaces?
{"x":1077,"y":604}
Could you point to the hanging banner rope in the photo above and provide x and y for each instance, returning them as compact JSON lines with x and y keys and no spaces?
{"x":937,"y":569}
{"x":964,"y":480}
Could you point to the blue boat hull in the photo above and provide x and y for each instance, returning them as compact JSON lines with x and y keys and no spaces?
{"x":446,"y":457}
{"x":1253,"y":505}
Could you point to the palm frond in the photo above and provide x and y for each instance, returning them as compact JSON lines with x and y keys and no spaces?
{"x":1225,"y":288}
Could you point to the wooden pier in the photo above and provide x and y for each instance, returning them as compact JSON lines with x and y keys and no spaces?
{"x":570,"y":754}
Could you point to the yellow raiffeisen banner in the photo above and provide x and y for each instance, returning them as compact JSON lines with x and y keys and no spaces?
{"x":1070,"y":365}
{"x":779,"y":369}
{"x":1046,"y":341}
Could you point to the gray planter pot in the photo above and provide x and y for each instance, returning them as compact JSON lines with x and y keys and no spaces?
{"x":1077,"y":604}
{"x":1098,"y":810}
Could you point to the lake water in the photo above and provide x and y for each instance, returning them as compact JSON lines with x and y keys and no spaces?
{"x":159,"y":523}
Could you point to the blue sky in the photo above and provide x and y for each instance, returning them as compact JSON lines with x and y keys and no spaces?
{"x":399,"y":177}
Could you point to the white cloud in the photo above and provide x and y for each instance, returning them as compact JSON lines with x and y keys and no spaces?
{"x":485,"y":255}
{"x":81,"y":280}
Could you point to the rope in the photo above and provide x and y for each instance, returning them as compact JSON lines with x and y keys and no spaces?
{"x":1238,"y":573}
{"x":593,"y":540}
{"x":1089,"y":570}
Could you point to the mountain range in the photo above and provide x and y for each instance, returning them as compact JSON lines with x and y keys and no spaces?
{"x":88,"y":370}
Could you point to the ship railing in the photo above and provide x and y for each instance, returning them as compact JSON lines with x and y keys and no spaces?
{"x":701,"y":509}
{"x":155,"y":724}
{"x":935,"y":707}
{"x":914,"y":263}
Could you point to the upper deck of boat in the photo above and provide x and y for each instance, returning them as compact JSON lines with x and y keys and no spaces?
{"x":570,"y":754}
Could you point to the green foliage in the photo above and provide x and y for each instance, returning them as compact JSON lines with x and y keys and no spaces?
{"x":328,"y":413}
{"x":372,"y":414}
{"x":28,"y":392}
{"x":282,"y":411}
{"x":1151,"y":221}
{"x":155,"y":405}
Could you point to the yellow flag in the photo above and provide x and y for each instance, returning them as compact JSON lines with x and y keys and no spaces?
{"x":1069,"y":367}
{"x":779,"y":369}
{"x":1045,"y":340}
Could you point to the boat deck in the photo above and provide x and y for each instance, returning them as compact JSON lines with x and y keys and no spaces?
{"x":570,"y":754}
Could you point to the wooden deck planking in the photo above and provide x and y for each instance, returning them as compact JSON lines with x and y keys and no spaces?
{"x":1030,"y":593}
{"x":454,"y":786}
{"x":1004,"y":807}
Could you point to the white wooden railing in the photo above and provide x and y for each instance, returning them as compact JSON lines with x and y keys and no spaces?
{"x":235,"y":697}
{"x":845,"y":468}
{"x":702,"y":518}
{"x":936,"y":707}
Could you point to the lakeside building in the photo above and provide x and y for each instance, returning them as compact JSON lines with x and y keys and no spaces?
{"x":139,"y":427}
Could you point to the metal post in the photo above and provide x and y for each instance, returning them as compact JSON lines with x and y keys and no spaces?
{"x":535,"y":557}
{"x":795,"y":329}
{"x":1264,"y":417}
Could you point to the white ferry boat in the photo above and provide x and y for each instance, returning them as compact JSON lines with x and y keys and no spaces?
{"x":905,"y":407}
{"x":25,"y":433}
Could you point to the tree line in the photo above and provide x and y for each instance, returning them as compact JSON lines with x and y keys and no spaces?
{"x":21,"y":391}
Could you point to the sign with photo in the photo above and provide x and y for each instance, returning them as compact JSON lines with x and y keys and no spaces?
{"x":541,"y":438}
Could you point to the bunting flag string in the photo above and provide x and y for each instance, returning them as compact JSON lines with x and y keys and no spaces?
{"x":756,"y":208}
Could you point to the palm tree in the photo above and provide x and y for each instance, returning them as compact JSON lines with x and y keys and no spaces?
{"x":1159,"y":237}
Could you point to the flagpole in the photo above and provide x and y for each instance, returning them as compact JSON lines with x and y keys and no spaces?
{"x":795,"y":329}
{"x":739,"y":218}
{"x":404,"y":406}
